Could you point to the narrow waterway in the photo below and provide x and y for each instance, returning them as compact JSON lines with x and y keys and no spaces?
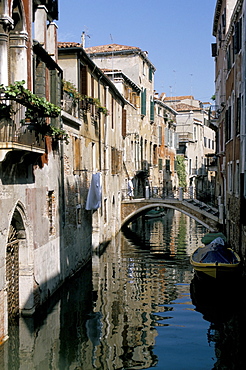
{"x":137,"y":307}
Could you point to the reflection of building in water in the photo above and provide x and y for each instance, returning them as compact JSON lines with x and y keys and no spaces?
{"x":173,"y":234}
{"x":131,"y":288}
{"x":125,"y":299}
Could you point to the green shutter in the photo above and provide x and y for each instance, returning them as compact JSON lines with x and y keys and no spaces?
{"x":143,"y":102}
{"x":152,"y":110}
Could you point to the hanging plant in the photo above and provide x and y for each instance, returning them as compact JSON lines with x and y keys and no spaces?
{"x":71,"y":90}
{"x":57,"y":133}
{"x":5,"y":110}
{"x":33,"y":102}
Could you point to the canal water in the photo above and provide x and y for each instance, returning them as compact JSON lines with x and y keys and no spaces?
{"x":138,"y":306}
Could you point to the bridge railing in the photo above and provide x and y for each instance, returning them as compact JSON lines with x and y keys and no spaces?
{"x":154,"y":192}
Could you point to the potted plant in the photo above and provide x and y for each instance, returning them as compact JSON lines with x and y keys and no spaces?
{"x":58,"y":133}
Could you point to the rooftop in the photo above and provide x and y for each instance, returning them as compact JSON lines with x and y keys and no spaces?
{"x":109,"y":48}
{"x":178,"y":98}
{"x":69,"y":45}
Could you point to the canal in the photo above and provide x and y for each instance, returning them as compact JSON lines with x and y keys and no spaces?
{"x":137,"y":306}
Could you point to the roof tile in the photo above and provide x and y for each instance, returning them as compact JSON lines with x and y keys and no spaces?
{"x":109,"y":48}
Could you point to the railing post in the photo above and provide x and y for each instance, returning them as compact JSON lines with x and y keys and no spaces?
{"x":221,"y":210}
{"x":147,"y":192}
{"x":191,"y":192}
{"x":181,"y":198}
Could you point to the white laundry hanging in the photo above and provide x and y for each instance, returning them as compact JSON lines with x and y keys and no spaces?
{"x":94,"y":196}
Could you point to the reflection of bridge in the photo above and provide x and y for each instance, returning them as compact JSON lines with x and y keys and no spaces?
{"x":205,"y":215}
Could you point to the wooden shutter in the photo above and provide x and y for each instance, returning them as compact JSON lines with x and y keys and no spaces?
{"x":123,"y":122}
{"x":143,"y":102}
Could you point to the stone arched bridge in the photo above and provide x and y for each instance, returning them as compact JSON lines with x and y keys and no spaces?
{"x":202,"y":213}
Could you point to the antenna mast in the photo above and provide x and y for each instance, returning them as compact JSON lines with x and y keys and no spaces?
{"x":112,"y":59}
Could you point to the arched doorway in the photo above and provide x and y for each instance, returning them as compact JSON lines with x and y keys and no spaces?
{"x":19,"y":266}
{"x":16,"y":241}
{"x":12,"y":274}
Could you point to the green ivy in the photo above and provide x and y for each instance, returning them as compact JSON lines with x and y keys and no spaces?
{"x":33,"y":102}
{"x":180,"y":160}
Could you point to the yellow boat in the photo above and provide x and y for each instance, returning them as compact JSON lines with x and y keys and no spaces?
{"x":215,"y":260}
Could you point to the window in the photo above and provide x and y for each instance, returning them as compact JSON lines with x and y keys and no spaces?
{"x":229,"y":58}
{"x":238,"y":114}
{"x":237,"y":38}
{"x":176,"y":140}
{"x":224,"y":20}
{"x":150,"y":74}
{"x":195,"y":134}
{"x":229,"y":177}
{"x":237,"y":179}
{"x":168,"y":165}
{"x":155,"y":154}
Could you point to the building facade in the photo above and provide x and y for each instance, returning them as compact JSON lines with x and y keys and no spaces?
{"x":144,"y":152}
{"x":165,"y":122}
{"x":134,"y":63}
{"x":30,"y":267}
{"x":196,"y":144}
{"x":229,"y":115}
{"x":93,"y":116}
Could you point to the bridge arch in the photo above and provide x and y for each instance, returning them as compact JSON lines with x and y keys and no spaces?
{"x":142,"y":209}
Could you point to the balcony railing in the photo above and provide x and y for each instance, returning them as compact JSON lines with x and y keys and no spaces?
{"x":199,"y":171}
{"x":214,"y":112}
{"x":185,"y":136}
{"x":77,"y":108}
{"x":16,"y":133}
{"x":211,"y":162}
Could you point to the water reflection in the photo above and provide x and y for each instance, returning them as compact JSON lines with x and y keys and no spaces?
{"x":132,"y":309}
{"x":223,"y":306}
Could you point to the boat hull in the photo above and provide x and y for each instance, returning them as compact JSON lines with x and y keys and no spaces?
{"x":216,"y":270}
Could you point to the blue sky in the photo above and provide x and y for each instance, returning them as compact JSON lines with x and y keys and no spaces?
{"x":177,"y":35}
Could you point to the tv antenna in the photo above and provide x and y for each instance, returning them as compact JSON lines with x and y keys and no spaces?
{"x":112,"y":58}
{"x":83,"y":37}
